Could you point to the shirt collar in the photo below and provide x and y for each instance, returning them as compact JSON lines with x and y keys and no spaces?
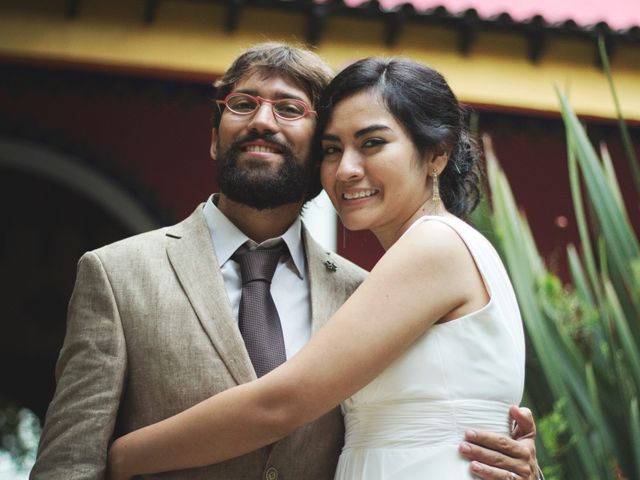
{"x":227,"y":238}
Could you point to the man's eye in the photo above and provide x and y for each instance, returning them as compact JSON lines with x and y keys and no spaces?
{"x":289,"y":109}
{"x":242,"y":105}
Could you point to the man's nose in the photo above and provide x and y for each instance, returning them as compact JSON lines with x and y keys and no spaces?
{"x":264,"y":119}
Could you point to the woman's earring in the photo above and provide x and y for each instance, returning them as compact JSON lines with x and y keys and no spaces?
{"x":435,"y":188}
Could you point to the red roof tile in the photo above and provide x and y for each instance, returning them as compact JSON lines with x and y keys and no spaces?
{"x":617,"y":14}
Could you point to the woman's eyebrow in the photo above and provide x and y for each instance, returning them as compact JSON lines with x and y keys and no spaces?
{"x":369,"y":129}
{"x":330,"y":137}
{"x":359,"y":133}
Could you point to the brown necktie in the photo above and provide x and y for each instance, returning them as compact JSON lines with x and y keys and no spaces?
{"x":258,"y":318}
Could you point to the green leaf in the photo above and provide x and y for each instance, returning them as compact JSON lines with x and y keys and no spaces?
{"x":624,"y":131}
{"x":583,"y":343}
{"x":635,"y":433}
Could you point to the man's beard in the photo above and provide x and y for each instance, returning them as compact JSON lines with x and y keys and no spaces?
{"x":256,"y":183}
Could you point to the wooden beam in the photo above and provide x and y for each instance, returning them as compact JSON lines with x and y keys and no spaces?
{"x":150,"y":11}
{"x":72,"y":8}
{"x":234,"y":8}
{"x":537,"y":38}
{"x":316,"y":18}
{"x":393,"y":24}
{"x":469,"y":26}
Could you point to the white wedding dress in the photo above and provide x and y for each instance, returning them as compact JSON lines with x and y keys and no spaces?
{"x":407,"y":424}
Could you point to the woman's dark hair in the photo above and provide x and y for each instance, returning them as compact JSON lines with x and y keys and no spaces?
{"x":420,"y":99}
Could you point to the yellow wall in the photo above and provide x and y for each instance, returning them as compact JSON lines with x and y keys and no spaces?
{"x":189,"y":37}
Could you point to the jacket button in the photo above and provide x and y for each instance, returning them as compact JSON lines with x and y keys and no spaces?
{"x":271,"y":473}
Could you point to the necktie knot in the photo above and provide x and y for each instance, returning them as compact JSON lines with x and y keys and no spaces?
{"x":259,"y":264}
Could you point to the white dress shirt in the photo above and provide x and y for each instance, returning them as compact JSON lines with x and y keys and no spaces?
{"x":290,"y":284}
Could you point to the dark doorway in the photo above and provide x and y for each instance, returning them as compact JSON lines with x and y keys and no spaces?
{"x":46,"y":226}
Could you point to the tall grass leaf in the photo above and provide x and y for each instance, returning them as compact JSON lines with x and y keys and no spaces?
{"x":607,"y":163}
{"x":581,"y":219}
{"x":620,"y":238}
{"x":624,"y":131}
{"x":578,"y":276}
{"x":624,"y":335}
{"x":635,"y":434}
{"x":562,"y":373}
{"x":604,"y":203}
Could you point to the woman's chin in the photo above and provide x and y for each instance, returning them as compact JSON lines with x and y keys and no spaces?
{"x":355,"y":225}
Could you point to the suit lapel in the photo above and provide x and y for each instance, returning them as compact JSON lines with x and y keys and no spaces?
{"x":326,"y":283}
{"x":192,"y":256}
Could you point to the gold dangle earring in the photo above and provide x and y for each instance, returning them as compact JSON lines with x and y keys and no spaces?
{"x":435,"y":191}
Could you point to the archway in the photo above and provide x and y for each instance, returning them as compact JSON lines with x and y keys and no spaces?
{"x":54,"y":208}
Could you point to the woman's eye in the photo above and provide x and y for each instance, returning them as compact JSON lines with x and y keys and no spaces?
{"x":373,"y":142}
{"x":330,"y":150}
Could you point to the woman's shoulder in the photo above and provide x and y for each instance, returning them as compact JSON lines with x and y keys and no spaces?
{"x":435,"y":234}
{"x":429,"y":248}
{"x":445,"y":223}
{"x":450,"y":228}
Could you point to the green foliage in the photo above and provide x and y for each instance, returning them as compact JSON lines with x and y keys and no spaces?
{"x":552,"y":430}
{"x":19,"y":433}
{"x":584,"y":355}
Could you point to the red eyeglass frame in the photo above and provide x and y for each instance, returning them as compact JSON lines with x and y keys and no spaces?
{"x":259,"y":100}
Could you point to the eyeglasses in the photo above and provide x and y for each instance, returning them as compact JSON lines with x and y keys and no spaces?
{"x":284,"y":108}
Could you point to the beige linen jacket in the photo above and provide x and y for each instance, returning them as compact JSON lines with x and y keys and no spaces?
{"x":150,"y":332}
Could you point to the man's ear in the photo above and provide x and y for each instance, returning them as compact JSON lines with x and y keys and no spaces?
{"x":213,"y":149}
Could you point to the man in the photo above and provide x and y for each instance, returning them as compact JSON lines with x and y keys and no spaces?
{"x":153,"y":324}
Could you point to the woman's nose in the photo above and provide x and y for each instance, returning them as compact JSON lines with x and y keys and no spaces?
{"x":350,"y":167}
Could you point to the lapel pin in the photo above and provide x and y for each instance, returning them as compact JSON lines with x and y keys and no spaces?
{"x":331,"y":266}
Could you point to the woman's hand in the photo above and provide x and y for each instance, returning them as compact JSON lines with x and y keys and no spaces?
{"x":116,"y":466}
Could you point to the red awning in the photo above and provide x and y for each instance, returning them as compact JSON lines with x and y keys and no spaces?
{"x":617,"y":14}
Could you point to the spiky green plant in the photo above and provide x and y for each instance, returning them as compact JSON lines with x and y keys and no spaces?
{"x":584,"y":373}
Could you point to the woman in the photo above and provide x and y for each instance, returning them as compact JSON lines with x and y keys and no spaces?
{"x":428,"y":346}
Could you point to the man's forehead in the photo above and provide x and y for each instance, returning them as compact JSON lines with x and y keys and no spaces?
{"x":271,"y":84}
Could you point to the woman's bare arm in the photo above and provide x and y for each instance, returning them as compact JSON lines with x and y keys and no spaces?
{"x":423,"y":277}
